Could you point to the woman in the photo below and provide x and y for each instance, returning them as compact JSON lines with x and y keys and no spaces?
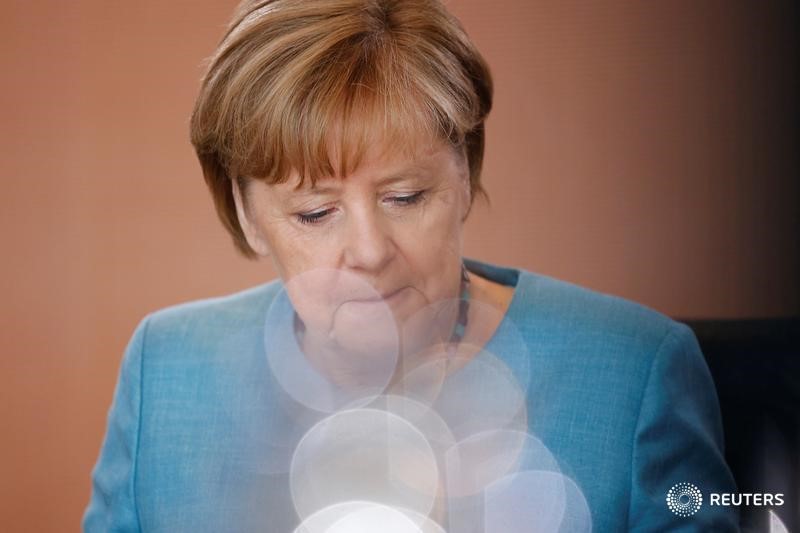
{"x":385,"y":379}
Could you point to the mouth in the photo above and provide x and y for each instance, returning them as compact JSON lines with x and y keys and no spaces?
{"x":382,"y":297}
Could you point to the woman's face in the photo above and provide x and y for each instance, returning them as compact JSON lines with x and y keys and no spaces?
{"x":393,"y":225}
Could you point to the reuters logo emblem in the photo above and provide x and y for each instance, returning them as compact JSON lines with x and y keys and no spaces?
{"x":684,"y":499}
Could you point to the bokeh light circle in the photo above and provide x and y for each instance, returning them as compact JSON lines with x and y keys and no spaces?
{"x":482,"y":459}
{"x":364,"y":454}
{"x":354,"y":516}
{"x":352,"y":340}
{"x":430,"y":330}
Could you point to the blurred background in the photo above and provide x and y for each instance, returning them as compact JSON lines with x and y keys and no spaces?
{"x":644,"y":149}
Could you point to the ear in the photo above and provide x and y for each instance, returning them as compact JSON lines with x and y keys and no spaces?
{"x":467,"y":197}
{"x":463,"y":171}
{"x":250,"y":229}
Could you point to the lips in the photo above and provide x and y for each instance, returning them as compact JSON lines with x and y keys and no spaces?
{"x":382,"y":297}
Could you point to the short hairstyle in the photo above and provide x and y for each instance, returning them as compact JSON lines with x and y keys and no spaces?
{"x":308,"y":85}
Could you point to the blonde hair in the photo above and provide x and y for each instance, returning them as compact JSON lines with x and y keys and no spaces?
{"x":295,"y":81}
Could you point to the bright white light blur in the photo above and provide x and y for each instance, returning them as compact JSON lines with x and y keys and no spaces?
{"x":357,"y":516}
{"x":383,"y":519}
{"x":366,"y":455}
{"x":322,"y":520}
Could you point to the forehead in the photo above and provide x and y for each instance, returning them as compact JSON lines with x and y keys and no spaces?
{"x":384,"y":163}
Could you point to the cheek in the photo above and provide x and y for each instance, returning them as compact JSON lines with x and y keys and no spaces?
{"x":294,"y":252}
{"x":439,"y":226}
{"x":433,"y":246}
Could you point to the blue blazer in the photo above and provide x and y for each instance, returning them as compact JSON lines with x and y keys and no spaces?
{"x":619,"y":393}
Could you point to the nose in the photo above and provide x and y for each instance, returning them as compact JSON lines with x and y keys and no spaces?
{"x":368,"y":241}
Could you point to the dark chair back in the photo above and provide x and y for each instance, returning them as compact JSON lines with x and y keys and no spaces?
{"x":756,"y":369}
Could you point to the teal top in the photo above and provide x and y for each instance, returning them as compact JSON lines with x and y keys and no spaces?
{"x":619,"y":393}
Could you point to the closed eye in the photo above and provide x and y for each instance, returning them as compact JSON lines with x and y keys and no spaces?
{"x":315,"y":217}
{"x":407,"y":199}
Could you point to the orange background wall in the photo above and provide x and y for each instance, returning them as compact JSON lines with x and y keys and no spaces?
{"x":640,"y":148}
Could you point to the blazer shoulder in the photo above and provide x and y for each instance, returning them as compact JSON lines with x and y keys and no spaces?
{"x":577,"y":311}
{"x":212,"y":317}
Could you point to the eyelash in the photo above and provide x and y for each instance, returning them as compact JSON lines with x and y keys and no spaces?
{"x":317,"y":217}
